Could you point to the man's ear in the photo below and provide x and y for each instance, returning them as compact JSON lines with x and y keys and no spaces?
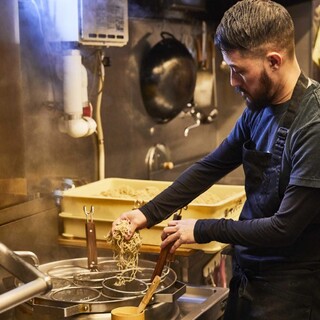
{"x":274,"y":60}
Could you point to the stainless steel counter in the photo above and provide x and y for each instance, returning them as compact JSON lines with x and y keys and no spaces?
{"x":198,"y":303}
{"x":203,"y":303}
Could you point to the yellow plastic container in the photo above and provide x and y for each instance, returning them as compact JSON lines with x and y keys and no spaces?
{"x":228,"y":204}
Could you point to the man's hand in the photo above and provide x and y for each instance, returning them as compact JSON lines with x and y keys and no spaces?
{"x":136,"y":219}
{"x":179,"y":232}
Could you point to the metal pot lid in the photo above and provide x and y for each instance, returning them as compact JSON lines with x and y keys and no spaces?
{"x":167,"y":78}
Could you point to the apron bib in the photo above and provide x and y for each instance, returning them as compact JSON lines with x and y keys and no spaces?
{"x":263,"y":169}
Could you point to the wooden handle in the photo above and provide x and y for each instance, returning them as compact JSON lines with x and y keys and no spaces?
{"x":161,"y":261}
{"x":145,"y":300}
{"x":91,"y":245}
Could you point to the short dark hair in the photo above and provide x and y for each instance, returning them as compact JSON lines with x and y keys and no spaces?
{"x":250,"y":25}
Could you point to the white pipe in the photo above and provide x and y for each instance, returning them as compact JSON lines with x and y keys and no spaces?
{"x":75,"y":97}
{"x":101,"y":160}
{"x":72,"y":83}
{"x":84,"y":86}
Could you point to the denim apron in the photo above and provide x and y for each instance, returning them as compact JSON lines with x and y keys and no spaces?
{"x":276,"y":296}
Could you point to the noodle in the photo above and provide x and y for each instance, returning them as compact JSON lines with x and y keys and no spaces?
{"x":125,"y":252}
{"x":149,"y":192}
{"x":129,"y":193}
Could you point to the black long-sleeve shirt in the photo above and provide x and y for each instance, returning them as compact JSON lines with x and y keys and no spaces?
{"x":291,"y":233}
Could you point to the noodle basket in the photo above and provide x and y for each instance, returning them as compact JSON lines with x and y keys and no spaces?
{"x":74,"y":283}
{"x":76,"y":294}
{"x":130,"y":287}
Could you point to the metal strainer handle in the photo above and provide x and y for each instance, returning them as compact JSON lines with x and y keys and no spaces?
{"x":35,"y":281}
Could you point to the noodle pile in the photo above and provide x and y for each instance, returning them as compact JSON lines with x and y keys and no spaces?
{"x":149,"y":192}
{"x":125,"y":252}
{"x":129,"y":193}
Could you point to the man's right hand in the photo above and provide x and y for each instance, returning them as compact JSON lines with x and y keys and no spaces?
{"x":136,"y":219}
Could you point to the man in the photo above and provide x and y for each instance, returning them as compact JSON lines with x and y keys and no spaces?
{"x":277,"y":139}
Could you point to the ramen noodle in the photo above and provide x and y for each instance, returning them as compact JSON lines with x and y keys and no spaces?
{"x":125,"y":252}
{"x":129,"y":193}
{"x":147,"y":193}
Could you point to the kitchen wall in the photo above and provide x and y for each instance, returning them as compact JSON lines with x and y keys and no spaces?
{"x":11,"y":154}
{"x":34,"y":149}
{"x":46,"y":155}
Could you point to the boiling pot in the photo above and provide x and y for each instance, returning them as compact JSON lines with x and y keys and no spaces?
{"x":67,"y":300}
{"x":167,"y":78}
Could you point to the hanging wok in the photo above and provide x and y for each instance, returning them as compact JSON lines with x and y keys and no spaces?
{"x":167,"y":78}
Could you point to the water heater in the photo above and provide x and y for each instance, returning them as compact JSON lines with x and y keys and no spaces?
{"x":104,"y":22}
{"x":90,"y":22}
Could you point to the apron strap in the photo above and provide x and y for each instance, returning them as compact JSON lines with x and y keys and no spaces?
{"x":298,"y":93}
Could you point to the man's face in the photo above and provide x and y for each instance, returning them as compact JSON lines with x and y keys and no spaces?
{"x":249,"y":77}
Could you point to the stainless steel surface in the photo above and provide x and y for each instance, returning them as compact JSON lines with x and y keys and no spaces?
{"x":178,"y":301}
{"x":203,"y":303}
{"x":158,"y":158}
{"x":24,"y":209}
{"x":159,"y":311}
{"x":62,"y":303}
{"x":32,"y":226}
{"x":35,"y":282}
{"x":30,"y":255}
{"x":76,"y":271}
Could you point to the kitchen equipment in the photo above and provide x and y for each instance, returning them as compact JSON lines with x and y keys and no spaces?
{"x":127,"y":313}
{"x":203,"y":303}
{"x":76,"y":301}
{"x":33,"y":281}
{"x":108,"y":269}
{"x":164,"y":252}
{"x":204,"y":106}
{"x":158,"y":158}
{"x":178,"y":302}
{"x":76,"y":294}
{"x":167,"y":78}
{"x":147,"y":297}
{"x":219,"y":201}
{"x":112,"y":290}
{"x":91,"y":239}
{"x":205,"y":77}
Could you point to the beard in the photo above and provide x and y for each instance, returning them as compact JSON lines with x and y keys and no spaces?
{"x":261,"y":98}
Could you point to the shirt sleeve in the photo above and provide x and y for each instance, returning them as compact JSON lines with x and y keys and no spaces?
{"x":304,"y":152}
{"x":298,"y":209}
{"x":192,"y":182}
{"x":200,"y":176}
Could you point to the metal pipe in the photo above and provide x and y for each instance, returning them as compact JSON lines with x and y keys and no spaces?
{"x":29,"y":254}
{"x":35,"y":282}
{"x":23,"y":293}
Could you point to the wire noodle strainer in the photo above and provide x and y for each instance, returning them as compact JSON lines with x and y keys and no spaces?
{"x":130,"y":288}
{"x":76,"y":294}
